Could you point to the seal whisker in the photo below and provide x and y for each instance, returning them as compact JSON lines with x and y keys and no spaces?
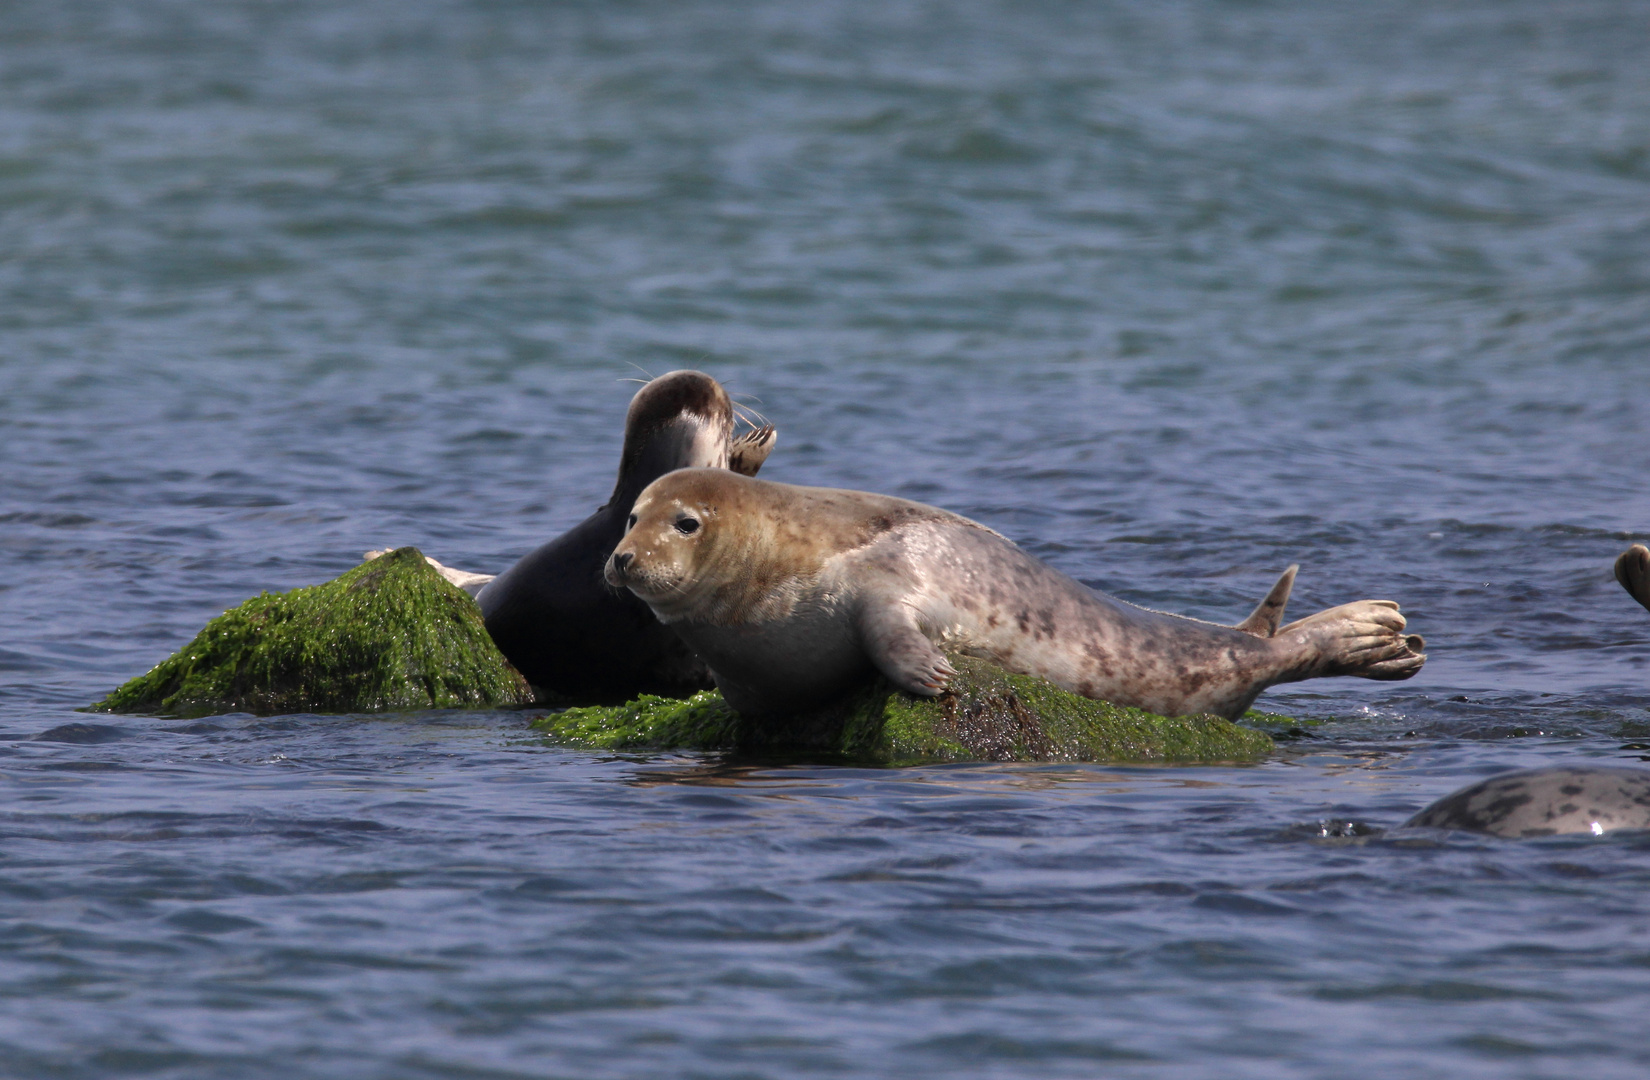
{"x":749,"y":415}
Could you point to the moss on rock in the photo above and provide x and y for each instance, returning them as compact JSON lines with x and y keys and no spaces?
{"x":389,"y":635}
{"x":988,"y":715}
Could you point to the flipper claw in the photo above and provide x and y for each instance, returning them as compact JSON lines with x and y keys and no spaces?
{"x":747,"y":453}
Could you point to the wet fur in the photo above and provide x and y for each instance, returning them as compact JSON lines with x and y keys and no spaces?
{"x":793,"y":595}
{"x":1546,"y":802}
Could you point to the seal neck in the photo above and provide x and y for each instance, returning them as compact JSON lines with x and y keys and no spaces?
{"x":687,"y":441}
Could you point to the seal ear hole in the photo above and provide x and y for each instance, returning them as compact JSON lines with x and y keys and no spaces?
{"x":687,"y":526}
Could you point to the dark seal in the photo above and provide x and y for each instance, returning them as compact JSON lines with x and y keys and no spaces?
{"x":554,"y":617}
{"x":1546,"y":802}
{"x":793,"y":595}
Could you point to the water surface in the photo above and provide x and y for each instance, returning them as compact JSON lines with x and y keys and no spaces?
{"x":1173,"y":294}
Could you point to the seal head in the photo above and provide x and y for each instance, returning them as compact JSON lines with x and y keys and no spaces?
{"x":793,"y":595}
{"x":1546,"y":802}
{"x":552,"y":614}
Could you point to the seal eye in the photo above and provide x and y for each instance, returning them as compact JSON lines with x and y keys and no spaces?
{"x":631,"y":524}
{"x":687,"y":526}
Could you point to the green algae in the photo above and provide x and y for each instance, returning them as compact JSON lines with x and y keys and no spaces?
{"x":393,"y":635}
{"x":1280,"y":727}
{"x":701,"y":722}
{"x":988,"y":715}
{"x":389,"y":635}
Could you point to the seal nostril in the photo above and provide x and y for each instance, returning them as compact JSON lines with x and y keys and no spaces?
{"x":621,"y":559}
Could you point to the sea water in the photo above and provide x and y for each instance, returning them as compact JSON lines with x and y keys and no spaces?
{"x":1173,"y":294}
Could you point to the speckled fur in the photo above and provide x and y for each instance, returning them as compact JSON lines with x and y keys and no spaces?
{"x":1546,"y":802}
{"x":792,"y":594}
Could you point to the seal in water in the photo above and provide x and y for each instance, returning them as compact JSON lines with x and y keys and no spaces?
{"x":1546,"y":802}
{"x":551,"y":613}
{"x":792,"y":594}
{"x":1633,"y":571}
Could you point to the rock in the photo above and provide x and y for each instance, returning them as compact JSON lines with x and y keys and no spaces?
{"x":389,"y":635}
{"x":394,"y":635}
{"x":988,"y":715}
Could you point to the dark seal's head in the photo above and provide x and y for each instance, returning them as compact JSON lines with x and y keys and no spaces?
{"x":1546,"y":802}
{"x":681,"y":420}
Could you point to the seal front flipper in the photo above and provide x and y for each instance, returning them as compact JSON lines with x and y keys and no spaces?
{"x":890,"y":636}
{"x":1633,"y":571}
{"x":747,"y":453}
{"x":1264,"y":620}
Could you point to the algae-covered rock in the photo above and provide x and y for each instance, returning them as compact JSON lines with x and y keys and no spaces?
{"x":389,"y":635}
{"x":988,"y":715}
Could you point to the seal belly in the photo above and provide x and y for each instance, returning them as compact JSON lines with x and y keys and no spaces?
{"x":795,"y":663}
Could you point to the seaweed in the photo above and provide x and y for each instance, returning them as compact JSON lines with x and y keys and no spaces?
{"x":988,"y":714}
{"x":393,"y":635}
{"x":389,"y":635}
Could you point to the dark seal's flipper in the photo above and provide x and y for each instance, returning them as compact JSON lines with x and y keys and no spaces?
{"x":1546,"y":802}
{"x":553,"y":616}
{"x":1633,"y":571}
{"x":747,"y":453}
{"x":1265,"y":619}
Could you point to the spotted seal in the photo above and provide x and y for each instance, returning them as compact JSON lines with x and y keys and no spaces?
{"x":551,"y":613}
{"x":793,"y":594}
{"x":1546,"y":802}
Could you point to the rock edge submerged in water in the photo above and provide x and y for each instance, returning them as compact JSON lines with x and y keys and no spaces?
{"x":393,"y":635}
{"x":390,"y":635}
{"x":989,"y":715}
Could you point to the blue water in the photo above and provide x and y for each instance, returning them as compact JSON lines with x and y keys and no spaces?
{"x":1175,"y":294}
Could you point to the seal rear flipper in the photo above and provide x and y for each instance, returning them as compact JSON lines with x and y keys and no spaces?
{"x":901,"y":651}
{"x":747,"y":453}
{"x":1633,"y":571}
{"x":1263,"y":621}
{"x":1364,"y":638}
